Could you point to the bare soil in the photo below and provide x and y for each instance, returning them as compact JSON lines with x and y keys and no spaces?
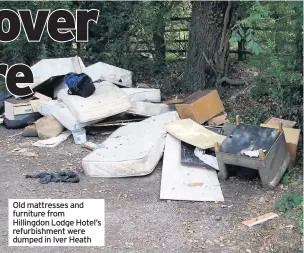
{"x":136,"y":219}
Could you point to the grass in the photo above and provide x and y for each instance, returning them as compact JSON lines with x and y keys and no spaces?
{"x":291,"y":205}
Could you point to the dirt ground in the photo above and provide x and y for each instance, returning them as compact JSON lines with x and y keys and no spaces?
{"x":136,"y":219}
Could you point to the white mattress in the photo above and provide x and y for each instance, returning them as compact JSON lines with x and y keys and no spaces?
{"x":149,"y":109}
{"x":47,"y":68}
{"x":146,"y":95}
{"x":61,"y":113}
{"x":107,"y":100}
{"x":132,"y":150}
{"x":104,"y":72}
{"x":58,"y":85}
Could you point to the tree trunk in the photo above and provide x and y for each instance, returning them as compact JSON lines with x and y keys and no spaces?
{"x":208,"y":50}
{"x":160,"y":48}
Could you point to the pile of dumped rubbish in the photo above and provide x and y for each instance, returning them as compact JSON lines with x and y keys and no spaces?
{"x":193,"y":134}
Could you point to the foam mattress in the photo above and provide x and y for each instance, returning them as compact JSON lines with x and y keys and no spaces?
{"x":140,"y":94}
{"x":101,"y":71}
{"x":149,"y":109}
{"x":47,"y":68}
{"x":132,"y":150}
{"x":61,"y":113}
{"x":107,"y":100}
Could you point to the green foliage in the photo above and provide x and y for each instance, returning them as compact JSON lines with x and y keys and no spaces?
{"x":291,"y":204}
{"x":279,"y":72}
{"x":244,"y":29}
{"x":285,"y":179}
{"x":253,"y":116}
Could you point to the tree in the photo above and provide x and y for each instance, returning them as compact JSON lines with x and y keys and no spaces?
{"x":207,"y":60}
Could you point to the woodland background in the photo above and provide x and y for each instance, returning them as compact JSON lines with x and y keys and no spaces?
{"x":251,"y":52}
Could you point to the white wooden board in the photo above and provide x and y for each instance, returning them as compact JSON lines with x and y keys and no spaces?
{"x":181,"y":182}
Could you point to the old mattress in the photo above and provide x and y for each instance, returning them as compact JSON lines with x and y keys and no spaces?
{"x":61,"y":113}
{"x":132,"y":150}
{"x":149,"y":109}
{"x":106,"y":101}
{"x":101,"y":71}
{"x":47,"y":68}
{"x":140,"y":94}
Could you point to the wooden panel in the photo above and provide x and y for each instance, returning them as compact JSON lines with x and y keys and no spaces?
{"x":180,"y":182}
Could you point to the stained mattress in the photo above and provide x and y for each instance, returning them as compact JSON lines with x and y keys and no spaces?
{"x":132,"y":150}
{"x":141,"y":94}
{"x":101,"y":71}
{"x":107,"y":100}
{"x":149,"y":109}
{"x":61,"y":113}
{"x":47,"y":68}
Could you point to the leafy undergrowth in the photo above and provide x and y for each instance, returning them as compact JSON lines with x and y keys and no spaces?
{"x":255,"y":105}
{"x":291,"y":205}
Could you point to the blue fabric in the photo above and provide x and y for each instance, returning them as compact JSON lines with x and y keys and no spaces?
{"x":72,"y":79}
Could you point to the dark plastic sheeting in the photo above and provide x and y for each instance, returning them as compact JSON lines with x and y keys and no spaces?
{"x":21,"y":121}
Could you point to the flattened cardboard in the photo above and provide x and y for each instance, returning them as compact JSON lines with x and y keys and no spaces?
{"x":200,"y":106}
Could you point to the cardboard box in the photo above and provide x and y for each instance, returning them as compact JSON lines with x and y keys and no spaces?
{"x":276,"y":121}
{"x":218,"y":119}
{"x":200,"y":106}
{"x":14,"y":107}
{"x":292,"y":136}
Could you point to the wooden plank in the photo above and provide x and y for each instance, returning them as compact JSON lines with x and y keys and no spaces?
{"x":173,"y":101}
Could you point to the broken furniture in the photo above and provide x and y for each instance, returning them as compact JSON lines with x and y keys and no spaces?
{"x":14,"y":107}
{"x":181,"y":182}
{"x":132,"y":150}
{"x":271,"y":164}
{"x":200,"y":106}
{"x":292,"y":135}
{"x":188,"y":156}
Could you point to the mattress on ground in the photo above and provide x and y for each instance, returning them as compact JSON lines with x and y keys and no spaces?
{"x":106,"y":101}
{"x":47,"y":68}
{"x":132,"y":150}
{"x":140,"y":94}
{"x":61,"y":113}
{"x":149,"y":109}
{"x":104,"y":72}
